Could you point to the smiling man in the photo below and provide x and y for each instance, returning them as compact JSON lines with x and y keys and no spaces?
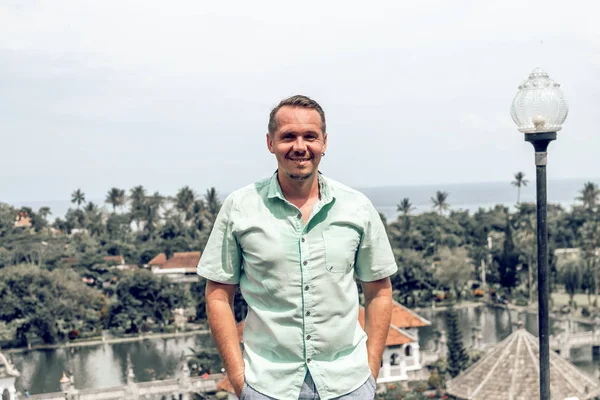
{"x":295,"y":243}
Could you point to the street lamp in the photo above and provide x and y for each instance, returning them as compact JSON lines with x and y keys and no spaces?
{"x":539,"y":110}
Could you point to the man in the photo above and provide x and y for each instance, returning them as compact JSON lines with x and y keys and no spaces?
{"x":294,"y":243}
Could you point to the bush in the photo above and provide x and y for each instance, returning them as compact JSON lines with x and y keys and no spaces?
{"x":435,"y":381}
{"x":420,"y":387}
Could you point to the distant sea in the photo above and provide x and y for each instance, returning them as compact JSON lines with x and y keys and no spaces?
{"x":466,"y":196}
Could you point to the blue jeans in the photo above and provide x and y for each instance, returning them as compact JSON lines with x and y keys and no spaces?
{"x":309,"y":391}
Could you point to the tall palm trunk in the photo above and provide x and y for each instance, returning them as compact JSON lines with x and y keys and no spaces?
{"x":518,"y":194}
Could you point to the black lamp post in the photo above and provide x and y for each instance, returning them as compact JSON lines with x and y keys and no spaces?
{"x":539,"y":110}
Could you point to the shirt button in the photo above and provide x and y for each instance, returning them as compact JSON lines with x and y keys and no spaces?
{"x":308,"y":313}
{"x":303,"y":240}
{"x":308,"y":360}
{"x":307,"y":337}
{"x":305,"y":262}
{"x":299,"y":216}
{"x":306,"y":287}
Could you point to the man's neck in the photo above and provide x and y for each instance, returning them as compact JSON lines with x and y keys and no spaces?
{"x":299,"y":191}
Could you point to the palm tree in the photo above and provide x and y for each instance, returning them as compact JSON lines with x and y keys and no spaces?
{"x":115,"y":197}
{"x":184,"y":202}
{"x":44,"y":212}
{"x":137,"y":199}
{"x":152,"y":212}
{"x":518,"y":182}
{"x":405,"y":206}
{"x":78,"y":197}
{"x":440,"y":201}
{"x":589,"y":195}
{"x":95,"y":221}
{"x":212,"y":202}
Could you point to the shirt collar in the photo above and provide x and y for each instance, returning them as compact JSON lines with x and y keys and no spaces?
{"x":325,"y":189}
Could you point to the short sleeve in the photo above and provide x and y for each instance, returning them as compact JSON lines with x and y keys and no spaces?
{"x":221,"y":259}
{"x":374,"y":257}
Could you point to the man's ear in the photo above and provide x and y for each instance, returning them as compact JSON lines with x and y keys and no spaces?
{"x":270,"y":143}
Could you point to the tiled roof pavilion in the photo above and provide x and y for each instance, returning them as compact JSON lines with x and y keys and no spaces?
{"x":510,"y":371}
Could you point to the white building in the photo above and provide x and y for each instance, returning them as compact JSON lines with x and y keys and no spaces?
{"x":8,"y":375}
{"x":402,"y":354}
{"x":179,"y":268}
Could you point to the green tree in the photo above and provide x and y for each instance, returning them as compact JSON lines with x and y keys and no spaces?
{"x":7,"y":219}
{"x":508,"y":261}
{"x":144,"y":298}
{"x":116,"y":198}
{"x":78,"y":197}
{"x":137,"y":200}
{"x":152,"y":212}
{"x":35,"y":301}
{"x":197,"y":290}
{"x":589,"y":195}
{"x":440,"y":201}
{"x":454,"y":269}
{"x":518,"y":182}
{"x":405,"y":207}
{"x":571,"y":278}
{"x":589,"y":238}
{"x":94,"y":220}
{"x":213,"y":204}
{"x":184,"y":202}
{"x":458,"y":358}
{"x":525,"y":243}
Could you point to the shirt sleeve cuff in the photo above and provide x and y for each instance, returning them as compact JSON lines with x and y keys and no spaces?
{"x":217,"y":277}
{"x":380,"y":273}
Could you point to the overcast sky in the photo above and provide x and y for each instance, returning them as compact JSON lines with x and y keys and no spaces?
{"x":95,"y":94}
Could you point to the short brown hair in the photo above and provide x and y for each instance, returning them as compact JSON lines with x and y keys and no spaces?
{"x":296,"y":101}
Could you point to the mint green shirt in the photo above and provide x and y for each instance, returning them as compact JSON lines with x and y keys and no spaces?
{"x":299,"y":283}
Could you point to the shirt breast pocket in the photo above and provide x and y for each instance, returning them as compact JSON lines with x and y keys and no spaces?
{"x":341,"y":243}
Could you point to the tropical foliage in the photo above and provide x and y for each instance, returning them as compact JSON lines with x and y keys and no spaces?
{"x":55,"y":280}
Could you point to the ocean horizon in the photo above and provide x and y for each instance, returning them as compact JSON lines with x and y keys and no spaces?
{"x":462,"y":196}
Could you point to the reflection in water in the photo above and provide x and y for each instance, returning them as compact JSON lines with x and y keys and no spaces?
{"x":496,"y":324}
{"x":106,"y":365}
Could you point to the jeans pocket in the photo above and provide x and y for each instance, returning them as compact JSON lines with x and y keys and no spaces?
{"x":244,"y":391}
{"x":372,"y":382}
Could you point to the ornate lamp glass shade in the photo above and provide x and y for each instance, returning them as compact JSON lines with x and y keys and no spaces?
{"x":539,"y":105}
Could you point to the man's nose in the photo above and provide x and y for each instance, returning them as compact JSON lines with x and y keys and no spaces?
{"x":299,"y":145}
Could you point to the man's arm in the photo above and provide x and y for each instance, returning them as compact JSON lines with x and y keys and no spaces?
{"x":378,"y":314}
{"x":219,"y":309}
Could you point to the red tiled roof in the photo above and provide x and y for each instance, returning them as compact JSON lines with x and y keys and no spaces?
{"x":22,"y":220}
{"x":188,"y":260}
{"x":395,"y":336}
{"x":402,"y":317}
{"x":158,"y":260}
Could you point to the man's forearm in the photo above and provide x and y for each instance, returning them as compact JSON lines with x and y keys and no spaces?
{"x":223,"y":328}
{"x":378,"y":314}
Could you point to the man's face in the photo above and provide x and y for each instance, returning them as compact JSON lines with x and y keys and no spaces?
{"x":298,"y":142}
